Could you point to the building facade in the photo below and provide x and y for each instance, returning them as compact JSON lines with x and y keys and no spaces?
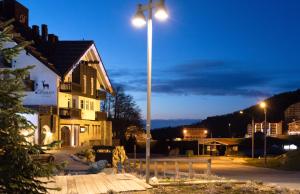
{"x":194,"y":133}
{"x":273,"y":129}
{"x":66,"y":86}
{"x":292,"y":118}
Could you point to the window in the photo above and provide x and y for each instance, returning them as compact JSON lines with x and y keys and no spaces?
{"x":81,"y":104}
{"x":69,"y":103}
{"x":74,"y":103}
{"x":84,"y":84}
{"x":92,"y":105}
{"x":92,"y":86}
{"x":87,"y":105}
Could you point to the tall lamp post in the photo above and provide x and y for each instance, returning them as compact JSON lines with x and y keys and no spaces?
{"x":139,"y":20}
{"x":252,"y":134}
{"x":263,"y":105}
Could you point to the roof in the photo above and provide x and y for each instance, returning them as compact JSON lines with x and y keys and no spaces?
{"x":67,"y":53}
{"x":222,"y":141}
{"x":59,"y":56}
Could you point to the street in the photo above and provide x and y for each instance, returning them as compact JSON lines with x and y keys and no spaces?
{"x":239,"y":171}
{"x":235,"y":168}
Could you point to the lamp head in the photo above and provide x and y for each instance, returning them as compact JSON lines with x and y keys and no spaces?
{"x":139,"y":19}
{"x":161,"y":11}
{"x":263,"y":104}
{"x":241,"y":112}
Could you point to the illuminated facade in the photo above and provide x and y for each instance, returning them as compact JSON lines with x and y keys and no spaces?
{"x":194,"y":133}
{"x":66,"y":86}
{"x":273,"y":129}
{"x":292,"y":118}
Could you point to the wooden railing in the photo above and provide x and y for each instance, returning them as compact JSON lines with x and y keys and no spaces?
{"x":100,"y":116}
{"x":70,"y":113}
{"x":132,"y":164}
{"x":70,"y":87}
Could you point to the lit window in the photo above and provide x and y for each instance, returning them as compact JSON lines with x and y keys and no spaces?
{"x":81,"y":104}
{"x":69,"y":103}
{"x":84,"y":84}
{"x":87,"y":105}
{"x":92,"y":105}
{"x":92,"y":86}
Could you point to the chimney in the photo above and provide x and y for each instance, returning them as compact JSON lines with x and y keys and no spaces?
{"x":52,"y":39}
{"x":44,"y":32}
{"x":35,"y":31}
{"x":13,"y":9}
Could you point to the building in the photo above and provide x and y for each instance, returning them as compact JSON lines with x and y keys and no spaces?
{"x":273,"y":129}
{"x":66,"y":86}
{"x":292,"y":113}
{"x":220,"y":146}
{"x":294,"y":128}
{"x":194,"y":133}
{"x":292,"y":118}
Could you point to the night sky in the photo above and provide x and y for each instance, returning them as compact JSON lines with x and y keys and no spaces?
{"x":211,"y":57}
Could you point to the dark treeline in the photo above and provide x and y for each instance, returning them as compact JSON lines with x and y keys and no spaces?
{"x":235,"y":124}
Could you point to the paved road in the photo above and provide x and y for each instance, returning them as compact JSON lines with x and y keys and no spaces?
{"x":235,"y":169}
{"x":64,"y":155}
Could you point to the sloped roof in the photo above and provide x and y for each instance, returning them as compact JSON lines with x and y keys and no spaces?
{"x":67,"y":53}
{"x":223,"y":141}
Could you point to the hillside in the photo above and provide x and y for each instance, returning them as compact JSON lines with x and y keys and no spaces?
{"x":219,"y":125}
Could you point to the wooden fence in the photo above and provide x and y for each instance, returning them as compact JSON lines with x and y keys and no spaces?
{"x":136,"y":165}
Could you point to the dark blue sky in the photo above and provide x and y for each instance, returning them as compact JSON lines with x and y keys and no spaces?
{"x":210,"y":57}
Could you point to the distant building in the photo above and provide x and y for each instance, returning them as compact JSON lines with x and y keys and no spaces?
{"x":273,"y":129}
{"x":292,"y":118}
{"x":194,"y":133}
{"x":294,"y":128}
{"x":292,"y":113}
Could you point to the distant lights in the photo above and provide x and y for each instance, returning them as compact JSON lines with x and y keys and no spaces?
{"x":290,"y":147}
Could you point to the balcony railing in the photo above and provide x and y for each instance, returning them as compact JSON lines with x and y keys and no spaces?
{"x":101,"y":95}
{"x":70,"y":113}
{"x":70,"y":87}
{"x":100,"y":116}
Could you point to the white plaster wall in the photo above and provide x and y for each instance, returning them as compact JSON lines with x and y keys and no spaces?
{"x":44,"y":94}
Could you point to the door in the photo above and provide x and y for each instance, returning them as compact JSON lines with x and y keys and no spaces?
{"x":65,"y":136}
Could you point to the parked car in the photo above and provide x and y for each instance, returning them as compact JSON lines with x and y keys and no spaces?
{"x":43,"y":157}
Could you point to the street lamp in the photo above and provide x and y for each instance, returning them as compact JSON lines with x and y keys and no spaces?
{"x":205,"y":133}
{"x":252,"y":134}
{"x":263,"y":105}
{"x":139,"y":20}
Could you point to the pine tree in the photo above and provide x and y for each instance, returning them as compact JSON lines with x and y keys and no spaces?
{"x":19,"y":173}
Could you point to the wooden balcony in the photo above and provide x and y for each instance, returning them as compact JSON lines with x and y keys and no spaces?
{"x":70,"y":87}
{"x":100,"y":116}
{"x":69,"y":113}
{"x":101,"y":95}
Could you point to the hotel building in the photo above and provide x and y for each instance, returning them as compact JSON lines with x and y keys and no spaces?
{"x":66,"y":86}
